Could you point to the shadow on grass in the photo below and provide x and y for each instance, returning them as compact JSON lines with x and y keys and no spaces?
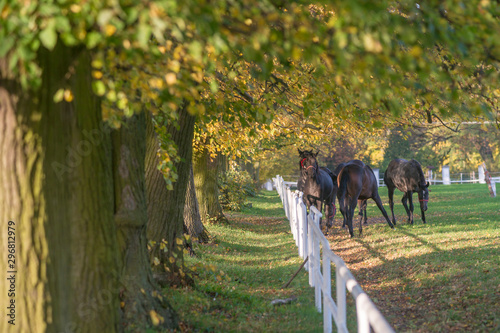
{"x":446,"y":289}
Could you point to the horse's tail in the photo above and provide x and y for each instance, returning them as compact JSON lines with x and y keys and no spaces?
{"x":342,"y":184}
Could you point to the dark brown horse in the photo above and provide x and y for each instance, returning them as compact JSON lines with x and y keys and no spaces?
{"x":362,"y":203}
{"x":357,"y":181}
{"x":408,"y":177}
{"x":318,"y":184}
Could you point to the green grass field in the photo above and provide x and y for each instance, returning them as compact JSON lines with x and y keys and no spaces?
{"x":437,"y":277}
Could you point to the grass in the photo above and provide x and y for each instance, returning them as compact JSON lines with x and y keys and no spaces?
{"x":437,"y":277}
{"x":443,"y":276}
{"x":241,"y":271}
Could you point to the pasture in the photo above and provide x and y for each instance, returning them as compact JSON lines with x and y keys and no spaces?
{"x":439,"y":277}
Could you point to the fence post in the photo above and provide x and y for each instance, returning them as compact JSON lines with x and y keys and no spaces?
{"x":341,"y":298}
{"x":310,"y":253}
{"x":377,"y":175}
{"x":303,"y":227}
{"x":317,"y":261}
{"x":480,"y":171}
{"x":446,"y":175}
{"x":327,"y":290}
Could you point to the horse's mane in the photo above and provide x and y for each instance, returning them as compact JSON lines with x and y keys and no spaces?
{"x":419,"y":170}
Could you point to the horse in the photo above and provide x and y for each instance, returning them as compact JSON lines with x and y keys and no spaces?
{"x":408,"y":177}
{"x":362,"y":203}
{"x":357,"y":181}
{"x":318,"y":184}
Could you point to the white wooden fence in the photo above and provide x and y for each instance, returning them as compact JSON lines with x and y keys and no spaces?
{"x":312,"y":243}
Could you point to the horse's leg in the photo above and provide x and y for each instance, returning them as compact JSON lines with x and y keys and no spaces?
{"x":410,"y":199}
{"x":391,"y":202}
{"x":423,"y":215}
{"x":360,"y":214}
{"x":350,"y":214}
{"x":362,"y":210}
{"x":329,"y":212}
{"x":380,"y":206}
{"x":342,"y":211}
{"x":404,"y":200}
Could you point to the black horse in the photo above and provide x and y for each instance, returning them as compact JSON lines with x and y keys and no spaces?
{"x":362,"y":203}
{"x":357,"y":181}
{"x":318,"y":184}
{"x":408,"y":177}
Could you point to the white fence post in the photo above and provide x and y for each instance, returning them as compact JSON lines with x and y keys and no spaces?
{"x":446,"y":175}
{"x":327,"y":290}
{"x":480,"y":171}
{"x":377,"y":176}
{"x":341,"y":299}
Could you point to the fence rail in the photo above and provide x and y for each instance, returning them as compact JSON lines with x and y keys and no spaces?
{"x":312,"y":244}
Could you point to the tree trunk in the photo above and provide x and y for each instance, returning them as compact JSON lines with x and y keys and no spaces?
{"x":55,"y":184}
{"x":166,"y":207}
{"x":140,"y":294}
{"x":192,"y":219}
{"x":206,"y":171}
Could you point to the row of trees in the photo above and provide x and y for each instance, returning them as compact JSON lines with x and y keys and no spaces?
{"x":112,"y":112}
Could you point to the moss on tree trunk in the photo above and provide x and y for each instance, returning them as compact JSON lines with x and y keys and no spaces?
{"x":55,"y":183}
{"x":206,"y":170}
{"x":192,"y":219}
{"x":166,"y":207}
{"x":140,"y":301}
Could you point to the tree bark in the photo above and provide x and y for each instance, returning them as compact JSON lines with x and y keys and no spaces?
{"x":166,"y":208}
{"x":140,"y":295}
{"x":55,"y":184}
{"x":192,"y":219}
{"x":206,"y":170}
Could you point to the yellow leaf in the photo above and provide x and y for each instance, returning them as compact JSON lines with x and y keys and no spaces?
{"x":171,"y":78}
{"x":97,"y":74}
{"x":156,"y":319}
{"x":68,"y":95}
{"x":109,"y":30}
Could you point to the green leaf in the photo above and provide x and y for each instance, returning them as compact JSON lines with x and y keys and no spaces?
{"x":93,"y":38}
{"x":143,"y":34}
{"x":99,"y":88}
{"x":6,"y":45}
{"x":58,"y":96}
{"x":48,"y":36}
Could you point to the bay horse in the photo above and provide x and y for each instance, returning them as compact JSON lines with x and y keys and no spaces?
{"x":318,"y":184}
{"x":357,"y":181}
{"x":362,"y":203}
{"x":408,"y":177}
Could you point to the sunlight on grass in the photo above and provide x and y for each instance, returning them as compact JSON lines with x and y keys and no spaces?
{"x":443,"y":275}
{"x":434,"y":277}
{"x":242,"y":270}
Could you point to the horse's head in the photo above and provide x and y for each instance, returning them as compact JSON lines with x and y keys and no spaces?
{"x":423,"y":196}
{"x":308,"y":163}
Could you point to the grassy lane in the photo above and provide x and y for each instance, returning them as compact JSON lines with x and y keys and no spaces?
{"x":241,"y":271}
{"x":443,"y":276}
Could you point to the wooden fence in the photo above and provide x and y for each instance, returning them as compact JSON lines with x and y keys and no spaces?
{"x":312,"y":244}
